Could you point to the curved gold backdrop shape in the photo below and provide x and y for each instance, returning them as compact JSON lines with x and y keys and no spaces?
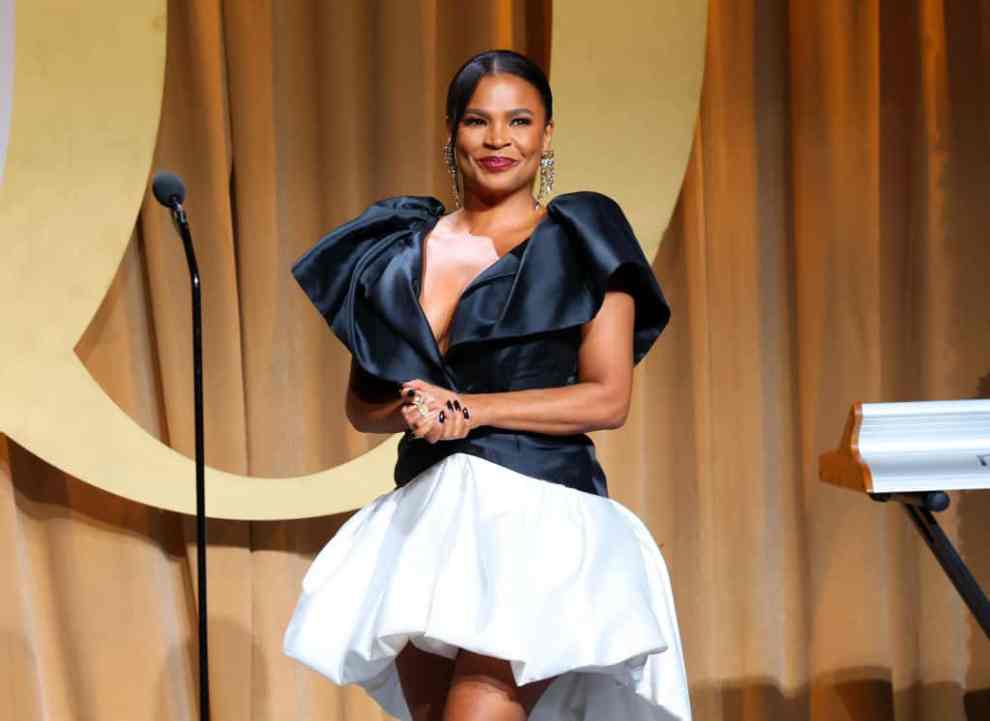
{"x":6,"y":76}
{"x":86,"y":101}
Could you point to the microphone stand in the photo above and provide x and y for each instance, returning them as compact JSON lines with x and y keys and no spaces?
{"x":182,"y":224}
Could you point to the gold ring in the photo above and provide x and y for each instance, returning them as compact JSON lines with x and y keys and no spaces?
{"x":421,"y":407}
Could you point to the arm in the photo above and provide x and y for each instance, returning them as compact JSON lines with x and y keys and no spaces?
{"x":600,"y":398}
{"x":373,"y":410}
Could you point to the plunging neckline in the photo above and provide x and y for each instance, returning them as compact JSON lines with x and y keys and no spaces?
{"x":420,"y":246}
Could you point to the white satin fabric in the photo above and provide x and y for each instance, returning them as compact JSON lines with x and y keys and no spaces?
{"x":473,"y":555}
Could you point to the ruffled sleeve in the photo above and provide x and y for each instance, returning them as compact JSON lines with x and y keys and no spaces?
{"x":325,"y":271}
{"x":613,"y":258}
{"x":584,"y":248}
{"x":337,"y":273}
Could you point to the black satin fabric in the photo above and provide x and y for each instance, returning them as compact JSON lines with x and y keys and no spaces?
{"x":517,"y":325}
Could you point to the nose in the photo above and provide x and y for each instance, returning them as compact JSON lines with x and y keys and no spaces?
{"x":495,"y":137}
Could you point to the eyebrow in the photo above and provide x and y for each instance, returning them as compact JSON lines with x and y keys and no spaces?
{"x":482,"y":113}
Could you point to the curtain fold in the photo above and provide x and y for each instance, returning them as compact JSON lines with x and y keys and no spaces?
{"x":828,"y":246}
{"x":826,"y":249}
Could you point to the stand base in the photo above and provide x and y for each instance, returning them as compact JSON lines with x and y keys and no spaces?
{"x":919,"y":507}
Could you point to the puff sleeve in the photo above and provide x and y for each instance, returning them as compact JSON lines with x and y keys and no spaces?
{"x":339,"y":271}
{"x":612,"y":258}
{"x":325,"y":271}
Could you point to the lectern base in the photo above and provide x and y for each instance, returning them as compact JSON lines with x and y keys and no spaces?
{"x":919,"y":507}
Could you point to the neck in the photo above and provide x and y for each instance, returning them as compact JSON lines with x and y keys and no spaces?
{"x":481,"y":215}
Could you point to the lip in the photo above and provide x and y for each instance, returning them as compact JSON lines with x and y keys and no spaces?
{"x":497,"y":163}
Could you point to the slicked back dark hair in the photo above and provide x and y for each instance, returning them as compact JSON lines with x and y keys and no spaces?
{"x":491,"y":62}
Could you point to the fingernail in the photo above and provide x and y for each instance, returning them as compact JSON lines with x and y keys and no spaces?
{"x":441,"y":417}
{"x":457,"y":404}
{"x":450,"y":406}
{"x":466,"y":414}
{"x":410,"y":393}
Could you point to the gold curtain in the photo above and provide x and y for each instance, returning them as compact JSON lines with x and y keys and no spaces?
{"x":284,"y":119}
{"x":828,"y":247}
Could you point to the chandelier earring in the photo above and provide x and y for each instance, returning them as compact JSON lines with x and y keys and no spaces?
{"x":451,"y":163}
{"x":546,"y":174}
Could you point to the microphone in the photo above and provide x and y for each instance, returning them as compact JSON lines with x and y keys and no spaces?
{"x":168,"y":189}
{"x":170,"y":192}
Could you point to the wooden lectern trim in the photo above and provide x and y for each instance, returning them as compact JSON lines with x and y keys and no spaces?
{"x":845,"y":466}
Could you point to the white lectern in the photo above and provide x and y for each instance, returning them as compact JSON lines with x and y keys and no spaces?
{"x":913,"y":453}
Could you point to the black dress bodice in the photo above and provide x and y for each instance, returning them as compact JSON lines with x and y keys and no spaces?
{"x":517,"y":324}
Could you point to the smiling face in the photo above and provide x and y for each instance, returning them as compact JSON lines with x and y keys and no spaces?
{"x":501,"y":137}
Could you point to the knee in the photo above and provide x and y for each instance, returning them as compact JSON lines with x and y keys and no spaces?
{"x":482,"y":698}
{"x":425,"y":678}
{"x":484,"y":689}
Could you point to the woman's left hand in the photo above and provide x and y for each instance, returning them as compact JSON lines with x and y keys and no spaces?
{"x":448,"y":418}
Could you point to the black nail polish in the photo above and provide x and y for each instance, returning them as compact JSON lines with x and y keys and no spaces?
{"x":410,"y":393}
{"x":450,"y":406}
{"x":457,"y":404}
{"x":466,"y":414}
{"x":441,"y":416}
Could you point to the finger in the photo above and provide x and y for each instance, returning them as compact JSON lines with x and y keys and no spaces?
{"x":411,"y":388}
{"x":429,"y":400}
{"x":411,"y":418}
{"x":447,"y":408}
{"x":453,"y":412}
{"x":422,"y":428}
{"x":429,"y":425}
{"x":415,"y":420}
{"x":418,"y":402}
{"x":449,"y":422}
{"x":459,"y":427}
{"x":445,"y":424}
{"x":436,"y":431}
{"x":461,"y":424}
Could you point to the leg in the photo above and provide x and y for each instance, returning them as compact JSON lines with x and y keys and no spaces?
{"x":425,"y":679}
{"x":483,"y":689}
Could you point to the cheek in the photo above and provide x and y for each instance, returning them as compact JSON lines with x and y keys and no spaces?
{"x":534,"y":147}
{"x":467,"y":145}
{"x":533,"y":142}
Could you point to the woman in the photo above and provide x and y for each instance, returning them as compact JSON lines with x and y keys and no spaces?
{"x":498,"y":580}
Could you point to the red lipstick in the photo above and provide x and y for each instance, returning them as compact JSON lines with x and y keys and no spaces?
{"x":496,"y":163}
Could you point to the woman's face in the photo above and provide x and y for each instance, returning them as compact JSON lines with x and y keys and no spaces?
{"x":501,"y":137}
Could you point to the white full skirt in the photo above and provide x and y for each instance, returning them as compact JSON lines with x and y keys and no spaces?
{"x":473,"y":555}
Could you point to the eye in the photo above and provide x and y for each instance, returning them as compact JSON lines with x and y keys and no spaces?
{"x":472,"y":121}
{"x":523,"y":121}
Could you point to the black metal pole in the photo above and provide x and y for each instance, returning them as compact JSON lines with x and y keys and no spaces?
{"x":182,"y":223}
{"x":919,"y":505}
{"x":953,"y":565}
